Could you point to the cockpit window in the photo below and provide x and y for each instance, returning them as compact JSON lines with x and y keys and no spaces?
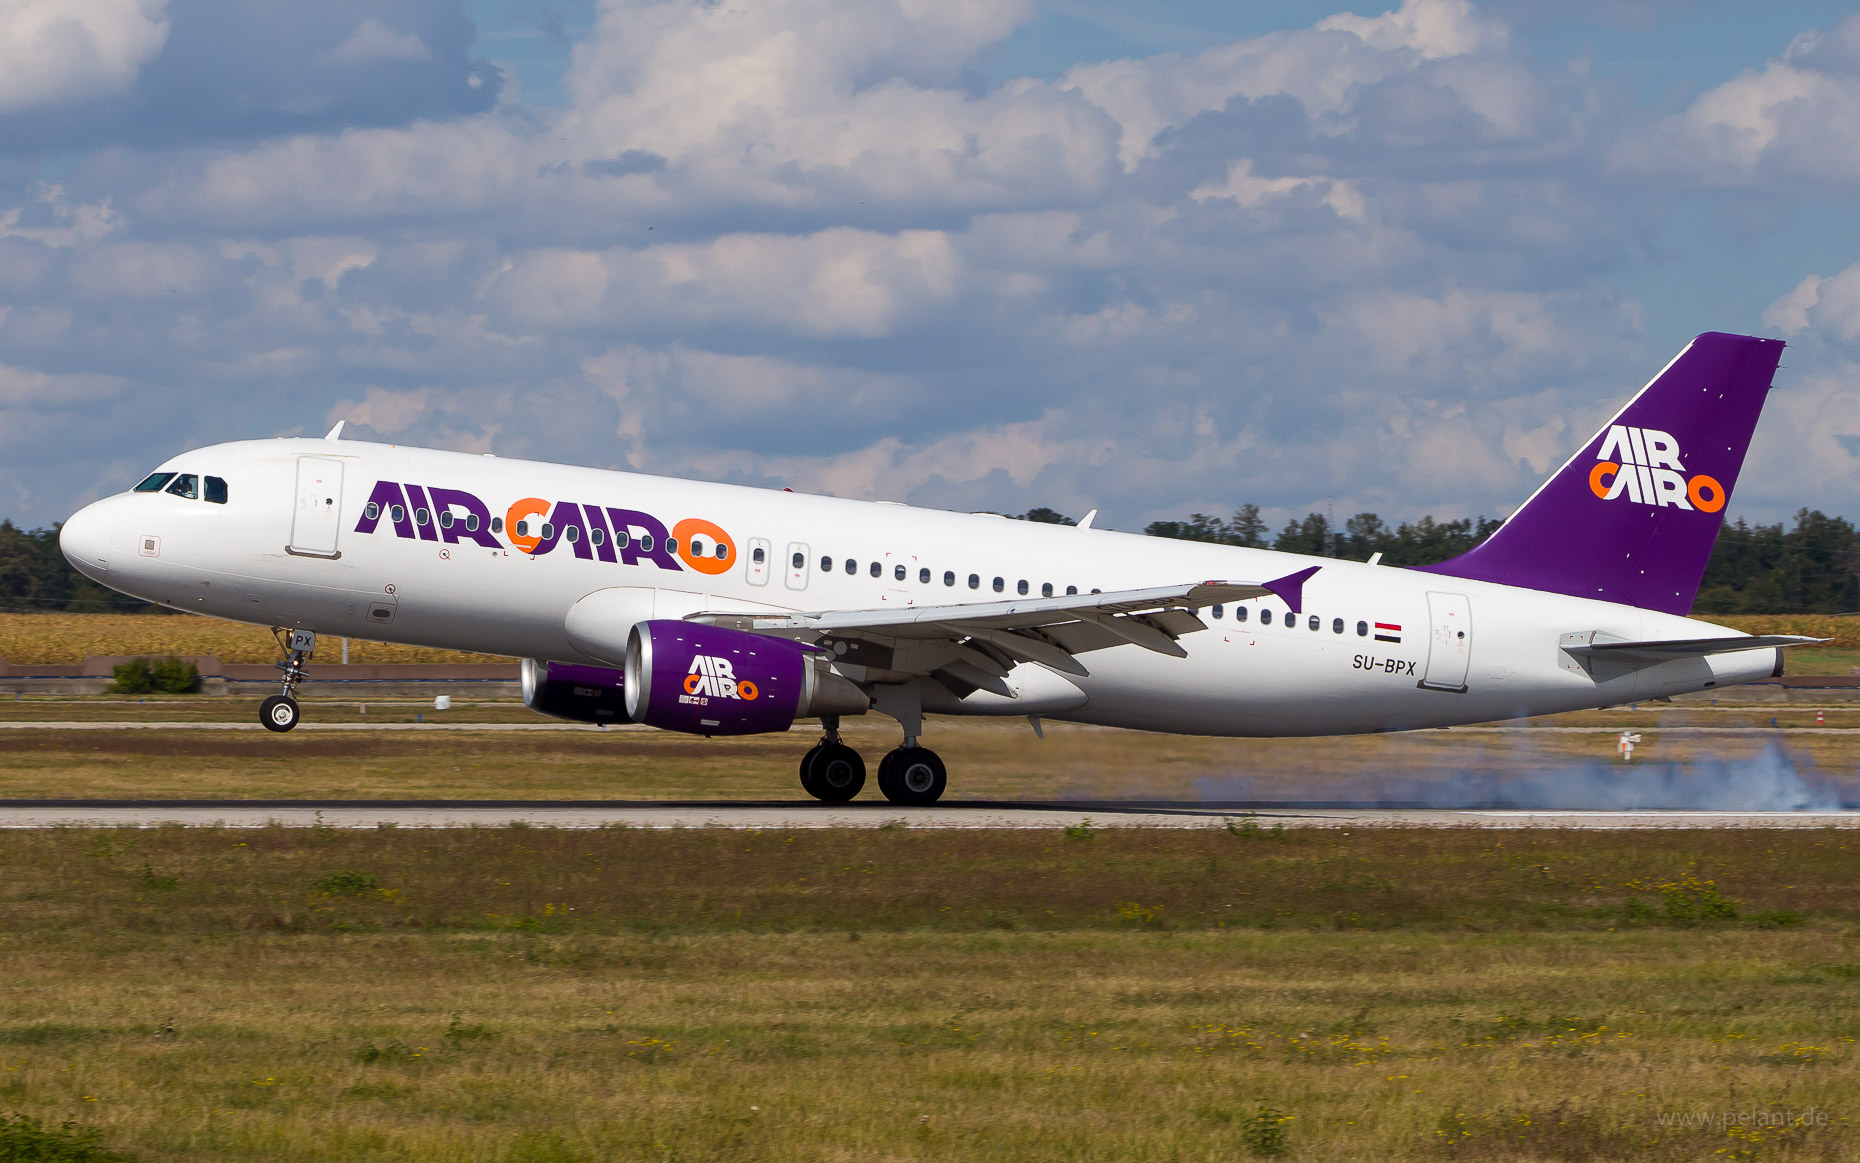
{"x":186,"y":485}
{"x":153,"y":482}
{"x":216,"y":491}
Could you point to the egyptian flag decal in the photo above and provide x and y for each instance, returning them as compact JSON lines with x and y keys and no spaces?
{"x":1388,"y":632}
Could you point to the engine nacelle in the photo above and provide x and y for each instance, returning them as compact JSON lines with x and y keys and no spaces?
{"x":583,"y":694}
{"x":707,"y":680}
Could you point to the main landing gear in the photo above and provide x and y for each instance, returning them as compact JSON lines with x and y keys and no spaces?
{"x":834,"y":773}
{"x":279,"y":712}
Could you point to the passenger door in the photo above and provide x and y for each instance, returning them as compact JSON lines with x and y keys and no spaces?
{"x":1449,"y":642}
{"x":318,"y":515}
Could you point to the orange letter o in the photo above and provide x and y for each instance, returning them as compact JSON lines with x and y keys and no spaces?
{"x":527,"y":507}
{"x":1695,"y":491}
{"x":691,"y":683}
{"x":747,"y":689}
{"x":1608,"y":468}
{"x":697,"y":526}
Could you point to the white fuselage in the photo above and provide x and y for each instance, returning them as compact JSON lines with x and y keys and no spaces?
{"x":449,"y":588}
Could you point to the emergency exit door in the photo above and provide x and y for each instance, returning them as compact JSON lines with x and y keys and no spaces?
{"x":1449,"y":641}
{"x":318,"y":515}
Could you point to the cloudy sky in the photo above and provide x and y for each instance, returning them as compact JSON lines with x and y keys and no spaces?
{"x":966,"y":253}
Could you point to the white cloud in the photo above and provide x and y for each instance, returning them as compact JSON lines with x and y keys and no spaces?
{"x":375,"y":41}
{"x":70,"y":50}
{"x":22,"y":387}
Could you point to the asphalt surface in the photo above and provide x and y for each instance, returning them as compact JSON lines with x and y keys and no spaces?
{"x":785,"y":815}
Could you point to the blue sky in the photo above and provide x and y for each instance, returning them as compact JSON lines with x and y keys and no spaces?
{"x":1145,"y":258}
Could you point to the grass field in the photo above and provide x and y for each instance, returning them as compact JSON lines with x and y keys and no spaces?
{"x":534,"y":995}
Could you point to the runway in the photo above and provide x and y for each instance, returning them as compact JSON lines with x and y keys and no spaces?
{"x":783,"y":815}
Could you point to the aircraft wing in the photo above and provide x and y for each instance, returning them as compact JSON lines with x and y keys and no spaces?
{"x":977,"y":644}
{"x":1646,"y":653}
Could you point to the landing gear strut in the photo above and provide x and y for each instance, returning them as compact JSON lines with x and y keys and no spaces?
{"x":279,"y":712}
{"x":831,"y":771}
{"x":910,"y":775}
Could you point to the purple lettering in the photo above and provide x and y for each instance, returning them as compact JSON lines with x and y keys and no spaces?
{"x":385,"y":498}
{"x":430,"y":530}
{"x":598,"y":523}
{"x":627,"y":520}
{"x":446,"y":500}
{"x":566,"y":516}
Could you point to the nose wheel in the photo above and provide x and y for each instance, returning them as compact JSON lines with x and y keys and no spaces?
{"x":913,"y":776}
{"x":278,"y":713}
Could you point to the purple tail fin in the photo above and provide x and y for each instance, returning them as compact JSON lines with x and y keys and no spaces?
{"x":1632,"y":517}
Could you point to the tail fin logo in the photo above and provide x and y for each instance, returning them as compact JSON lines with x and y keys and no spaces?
{"x":1642,"y":464}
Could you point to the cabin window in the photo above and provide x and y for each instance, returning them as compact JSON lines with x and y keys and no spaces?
{"x":153,"y":482}
{"x":1216,"y":611}
{"x":1336,"y":625}
{"x":975,"y":581}
{"x":697,"y":547}
{"x":923,"y":577}
{"x":1240,"y":613}
{"x":1020,"y":587}
{"x":572,"y":534}
{"x":1265,"y":617}
{"x":897,"y":572}
{"x":372,"y":511}
{"x":826,"y":565}
{"x":852,"y":567}
{"x":424,"y":516}
{"x":1000,"y":585}
{"x":497,"y":524}
{"x":398,"y":513}
{"x":216,"y":491}
{"x":949,"y":577}
{"x":671,"y":545}
{"x":1312,"y":623}
{"x":620,"y":539}
{"x":186,"y":485}
{"x":1070,"y":590}
{"x":596,"y":535}
{"x":471,"y":522}
{"x":756,"y":555}
{"x":548,"y":530}
{"x":877,"y":569}
{"x":645,"y":540}
{"x":446,"y":518}
{"x":800,"y":562}
{"x":1097,"y":591}
{"x":1362,"y":629}
{"x":723,"y":553}
{"x":1046,"y":590}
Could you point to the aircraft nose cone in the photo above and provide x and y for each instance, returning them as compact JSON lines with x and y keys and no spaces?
{"x":85,"y":540}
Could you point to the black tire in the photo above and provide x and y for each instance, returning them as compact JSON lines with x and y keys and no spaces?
{"x":912,"y":776}
{"x":278,"y":713}
{"x":832,"y":773}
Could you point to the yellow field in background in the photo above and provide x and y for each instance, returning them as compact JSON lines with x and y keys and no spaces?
{"x":54,"y":639}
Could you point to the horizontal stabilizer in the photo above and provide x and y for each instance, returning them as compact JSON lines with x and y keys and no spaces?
{"x":1662,"y":651}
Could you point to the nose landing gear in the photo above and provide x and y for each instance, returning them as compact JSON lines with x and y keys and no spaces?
{"x":279,"y":712}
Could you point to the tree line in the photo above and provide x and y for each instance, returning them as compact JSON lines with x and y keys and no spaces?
{"x":1811,"y":566}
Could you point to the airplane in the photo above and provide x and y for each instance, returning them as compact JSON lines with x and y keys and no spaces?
{"x":720,"y":609}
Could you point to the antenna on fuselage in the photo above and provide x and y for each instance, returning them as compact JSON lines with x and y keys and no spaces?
{"x":336,"y":432}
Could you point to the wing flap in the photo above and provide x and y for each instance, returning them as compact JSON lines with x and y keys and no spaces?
{"x":1664,"y":650}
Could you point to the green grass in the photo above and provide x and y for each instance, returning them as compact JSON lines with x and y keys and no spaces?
{"x":532,"y":994}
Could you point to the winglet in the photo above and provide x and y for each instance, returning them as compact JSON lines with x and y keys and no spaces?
{"x":1291,"y":588}
{"x":336,"y":432}
{"x":1087,"y":519}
